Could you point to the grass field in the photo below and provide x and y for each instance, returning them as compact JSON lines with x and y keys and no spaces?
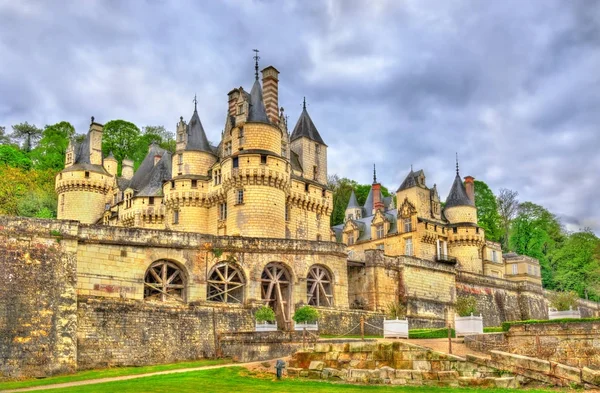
{"x":240,"y":380}
{"x":109,"y":372}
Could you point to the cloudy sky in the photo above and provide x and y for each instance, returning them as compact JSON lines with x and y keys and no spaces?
{"x":512,"y":86}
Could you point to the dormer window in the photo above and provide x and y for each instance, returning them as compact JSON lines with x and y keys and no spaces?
{"x":151,"y":200}
{"x":240,"y":109}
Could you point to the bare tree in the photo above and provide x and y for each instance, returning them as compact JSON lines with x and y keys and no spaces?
{"x":508,"y":204}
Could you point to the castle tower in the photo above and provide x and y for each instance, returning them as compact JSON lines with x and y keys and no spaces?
{"x":312,"y":151}
{"x":415,"y":190}
{"x":111,"y":164}
{"x":255,"y":174}
{"x":185,"y":195}
{"x":465,"y":237}
{"x":353,"y":210}
{"x":83,"y":186}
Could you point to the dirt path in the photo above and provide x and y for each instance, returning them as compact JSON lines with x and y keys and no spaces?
{"x":126,"y":377}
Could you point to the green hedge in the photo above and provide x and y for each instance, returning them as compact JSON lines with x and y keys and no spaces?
{"x":493,"y":329}
{"x":506,"y":325}
{"x":430,"y":333}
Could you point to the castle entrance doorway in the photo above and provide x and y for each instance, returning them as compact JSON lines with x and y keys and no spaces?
{"x":276,"y":289}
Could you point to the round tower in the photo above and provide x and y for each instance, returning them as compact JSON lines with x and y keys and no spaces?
{"x":465,"y":237}
{"x":83,"y":186}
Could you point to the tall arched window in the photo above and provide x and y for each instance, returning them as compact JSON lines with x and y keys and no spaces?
{"x":276,"y":290}
{"x":225,"y":284}
{"x":319,"y":287}
{"x":164,"y":281}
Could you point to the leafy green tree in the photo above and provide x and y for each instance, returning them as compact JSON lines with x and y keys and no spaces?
{"x":341,"y":189}
{"x":52,"y":148}
{"x":27,"y":193}
{"x":508,"y":205}
{"x":536,"y":232}
{"x":12,"y":156}
{"x":577,"y":267}
{"x":160,"y":135}
{"x":29,"y":134}
{"x":121,"y":137}
{"x":4,"y":139}
{"x":487,"y":212}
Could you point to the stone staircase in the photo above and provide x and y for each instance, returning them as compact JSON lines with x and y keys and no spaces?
{"x":397,"y":363}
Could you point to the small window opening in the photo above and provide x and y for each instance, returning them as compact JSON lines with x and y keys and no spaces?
{"x":263,"y":158}
{"x":194,"y":183}
{"x":87,"y":174}
{"x":151,"y":200}
{"x":236,"y":162}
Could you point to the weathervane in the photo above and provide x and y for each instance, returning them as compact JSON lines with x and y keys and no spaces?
{"x":304,"y":103}
{"x":457,"y":164}
{"x":195,"y":101}
{"x":256,"y":59}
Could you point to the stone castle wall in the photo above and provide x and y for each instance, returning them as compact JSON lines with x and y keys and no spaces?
{"x":38,"y":298}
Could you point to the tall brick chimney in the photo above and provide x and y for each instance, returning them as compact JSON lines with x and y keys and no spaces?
{"x":270,"y":80}
{"x":377,"y":201}
{"x":470,"y":186}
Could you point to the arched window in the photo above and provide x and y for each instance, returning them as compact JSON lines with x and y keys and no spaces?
{"x":276,"y":290}
{"x":225,"y":284}
{"x":164,"y":281}
{"x":319,"y":287}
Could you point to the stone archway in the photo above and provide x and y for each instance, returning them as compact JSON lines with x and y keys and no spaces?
{"x":276,"y":292}
{"x":164,"y":281}
{"x":319,"y":287}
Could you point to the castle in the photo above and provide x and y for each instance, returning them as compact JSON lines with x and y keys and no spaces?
{"x":153,"y":265}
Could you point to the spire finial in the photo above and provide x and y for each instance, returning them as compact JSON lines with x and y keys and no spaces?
{"x":457,"y":164}
{"x":256,"y":59}
{"x":195,"y":103}
{"x":411,"y":169}
{"x":304,"y":103}
{"x":374,"y":175}
{"x":92,"y":119}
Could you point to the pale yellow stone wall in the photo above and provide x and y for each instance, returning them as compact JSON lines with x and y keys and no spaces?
{"x":82,"y":198}
{"x":111,"y":165}
{"x":108,"y":269}
{"x":309,"y":158}
{"x":419,"y":197}
{"x":192,"y":163}
{"x":528,"y":269}
{"x":258,"y":136}
{"x":310,"y":212}
{"x":461,"y":214}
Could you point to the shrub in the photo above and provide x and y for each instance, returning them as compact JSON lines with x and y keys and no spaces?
{"x":563,"y":301}
{"x":430,"y":333}
{"x":506,"y":325}
{"x":264,"y":314}
{"x":305,"y":314}
{"x":466,"y":305}
{"x":396,"y":310}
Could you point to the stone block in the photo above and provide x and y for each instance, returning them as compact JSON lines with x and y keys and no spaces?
{"x":313,"y":374}
{"x":417,"y":375}
{"x":403,"y":364}
{"x":293,"y":372}
{"x":332,"y":355}
{"x":387,"y":372}
{"x":316,"y":365}
{"x":404,"y":374}
{"x":430,"y":376}
{"x":358,"y":375}
{"x":362,"y":347}
{"x":304,"y":373}
{"x":567,"y":372}
{"x":591,"y":376}
{"x":538,"y":365}
{"x":332,"y":373}
{"x":447,"y":375}
{"x":322,"y":347}
{"x":422,"y":365}
{"x":506,"y":382}
{"x":398,"y":381}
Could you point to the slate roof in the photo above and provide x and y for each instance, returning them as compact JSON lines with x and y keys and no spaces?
{"x":158,"y":175}
{"x":353,"y":203}
{"x":82,"y":158}
{"x":410,"y":180}
{"x":146,"y":173}
{"x":305,"y":127}
{"x":458,"y":194}
{"x":196,"y":137}
{"x":295,"y":161}
{"x":257,"y":111}
{"x":369,"y":202}
{"x":364,"y":225}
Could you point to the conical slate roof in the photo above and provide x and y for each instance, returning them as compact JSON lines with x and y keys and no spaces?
{"x":369,"y":202}
{"x":305,"y":127}
{"x":143,"y":175}
{"x":196,"y":139}
{"x":257,"y":111}
{"x":353,"y":203}
{"x":458,"y":194}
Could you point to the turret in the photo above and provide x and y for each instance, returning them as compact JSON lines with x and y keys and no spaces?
{"x":353,"y":210}
{"x":84,"y":184}
{"x":111,"y":164}
{"x":459,"y":207}
{"x":310,"y":147}
{"x":127,"y":168}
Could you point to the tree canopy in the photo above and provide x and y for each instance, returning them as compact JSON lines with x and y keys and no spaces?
{"x":487,"y":212}
{"x":51,"y":150}
{"x":27,"y":134}
{"x":121,"y":138}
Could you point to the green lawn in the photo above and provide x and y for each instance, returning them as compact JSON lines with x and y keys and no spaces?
{"x":240,"y":380}
{"x":109,"y":372}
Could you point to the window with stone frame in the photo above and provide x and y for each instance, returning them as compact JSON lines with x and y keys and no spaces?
{"x":515,"y":269}
{"x":223,"y":211}
{"x":494,"y":256}
{"x":217,"y":176}
{"x":239,"y":197}
{"x":225,"y":284}
{"x":227,"y":149}
{"x":164,"y":281}
{"x":407,"y":224}
{"x":287,"y":211}
{"x":283,"y":149}
{"x":175,"y":216}
{"x":379,"y":231}
{"x":408,"y":246}
{"x":351,"y":239}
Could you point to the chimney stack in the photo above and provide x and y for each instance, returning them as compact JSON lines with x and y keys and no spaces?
{"x":377,"y":200}
{"x":470,"y":186}
{"x":270,"y":80}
